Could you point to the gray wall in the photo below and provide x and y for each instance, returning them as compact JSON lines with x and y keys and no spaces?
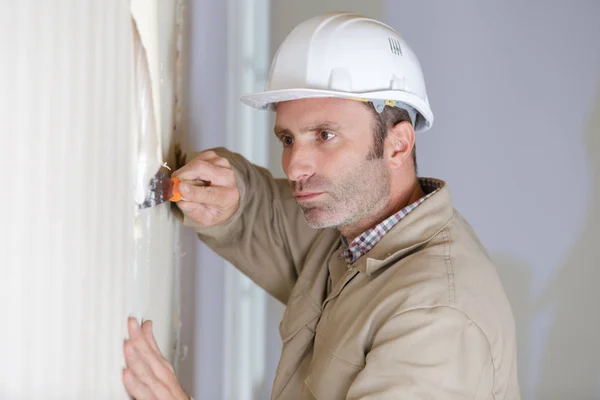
{"x":515,"y":88}
{"x":201,"y":373}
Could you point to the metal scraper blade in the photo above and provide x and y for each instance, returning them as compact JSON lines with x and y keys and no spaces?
{"x":160,"y":189}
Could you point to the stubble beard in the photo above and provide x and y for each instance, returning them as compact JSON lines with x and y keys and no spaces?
{"x":361,"y":192}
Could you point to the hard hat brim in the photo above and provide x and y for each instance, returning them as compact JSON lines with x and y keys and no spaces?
{"x":268,"y":100}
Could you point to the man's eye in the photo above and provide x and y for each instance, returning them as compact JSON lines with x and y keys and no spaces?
{"x":324,"y":135}
{"x":287,"y":140}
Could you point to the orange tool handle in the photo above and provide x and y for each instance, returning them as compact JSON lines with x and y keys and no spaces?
{"x":177,"y":194}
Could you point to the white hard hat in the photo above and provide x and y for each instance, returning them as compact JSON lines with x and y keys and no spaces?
{"x":347,"y":56}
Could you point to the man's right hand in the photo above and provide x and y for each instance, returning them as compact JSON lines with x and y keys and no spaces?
{"x":213,"y":204}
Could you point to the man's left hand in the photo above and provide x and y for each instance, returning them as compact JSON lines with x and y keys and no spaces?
{"x":148,"y":375}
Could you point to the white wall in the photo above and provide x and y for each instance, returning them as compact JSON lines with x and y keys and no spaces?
{"x":515,"y":89}
{"x":77,"y":255}
{"x":64,"y":270}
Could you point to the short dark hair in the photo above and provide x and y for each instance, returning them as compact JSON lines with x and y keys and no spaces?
{"x":390,"y":117}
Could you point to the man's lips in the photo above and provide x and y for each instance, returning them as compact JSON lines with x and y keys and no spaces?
{"x":306,"y":195}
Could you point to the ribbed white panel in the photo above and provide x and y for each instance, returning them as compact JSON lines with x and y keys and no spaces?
{"x":68,"y":273}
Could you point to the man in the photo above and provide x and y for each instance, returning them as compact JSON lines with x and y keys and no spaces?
{"x":388,"y":292}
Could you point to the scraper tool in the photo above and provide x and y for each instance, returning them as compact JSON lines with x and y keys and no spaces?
{"x":163,"y":188}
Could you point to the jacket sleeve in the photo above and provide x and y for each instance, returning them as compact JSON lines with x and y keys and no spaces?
{"x":431,"y":353}
{"x":267,"y":238}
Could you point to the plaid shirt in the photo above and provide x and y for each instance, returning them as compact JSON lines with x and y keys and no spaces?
{"x":368,"y":239}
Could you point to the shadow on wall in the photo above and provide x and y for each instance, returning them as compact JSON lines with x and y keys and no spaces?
{"x":572,"y":352}
{"x":563,"y":361}
{"x":187,"y":368}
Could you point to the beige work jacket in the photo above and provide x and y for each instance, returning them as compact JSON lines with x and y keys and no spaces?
{"x":422,"y":315}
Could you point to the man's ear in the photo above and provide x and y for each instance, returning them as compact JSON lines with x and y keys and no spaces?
{"x":399,"y":144}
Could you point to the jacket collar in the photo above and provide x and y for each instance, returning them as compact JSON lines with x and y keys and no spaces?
{"x":414,"y":230}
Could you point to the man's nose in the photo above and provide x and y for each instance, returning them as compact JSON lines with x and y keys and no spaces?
{"x":299,"y":164}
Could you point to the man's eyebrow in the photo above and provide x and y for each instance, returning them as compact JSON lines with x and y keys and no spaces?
{"x":279,"y":130}
{"x":323,"y":126}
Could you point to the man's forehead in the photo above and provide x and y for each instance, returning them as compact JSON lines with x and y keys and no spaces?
{"x":304,"y":114}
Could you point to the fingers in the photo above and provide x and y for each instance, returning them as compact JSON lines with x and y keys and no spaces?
{"x":200,"y":213}
{"x":138,"y":366}
{"x":147,"y":330}
{"x":165,"y":370}
{"x":210,"y":195}
{"x":135,"y":387}
{"x":133,"y":328}
{"x":141,"y":354}
{"x":213,"y":204}
{"x":145,"y":362}
{"x":195,"y":211}
{"x":142,"y":345}
{"x":217,"y":170}
{"x":140,"y":391}
{"x":215,"y":158}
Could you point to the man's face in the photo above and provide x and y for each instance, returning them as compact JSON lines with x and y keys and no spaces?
{"x":326,"y":157}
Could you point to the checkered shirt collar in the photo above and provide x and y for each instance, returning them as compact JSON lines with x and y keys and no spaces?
{"x":368,"y":239}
